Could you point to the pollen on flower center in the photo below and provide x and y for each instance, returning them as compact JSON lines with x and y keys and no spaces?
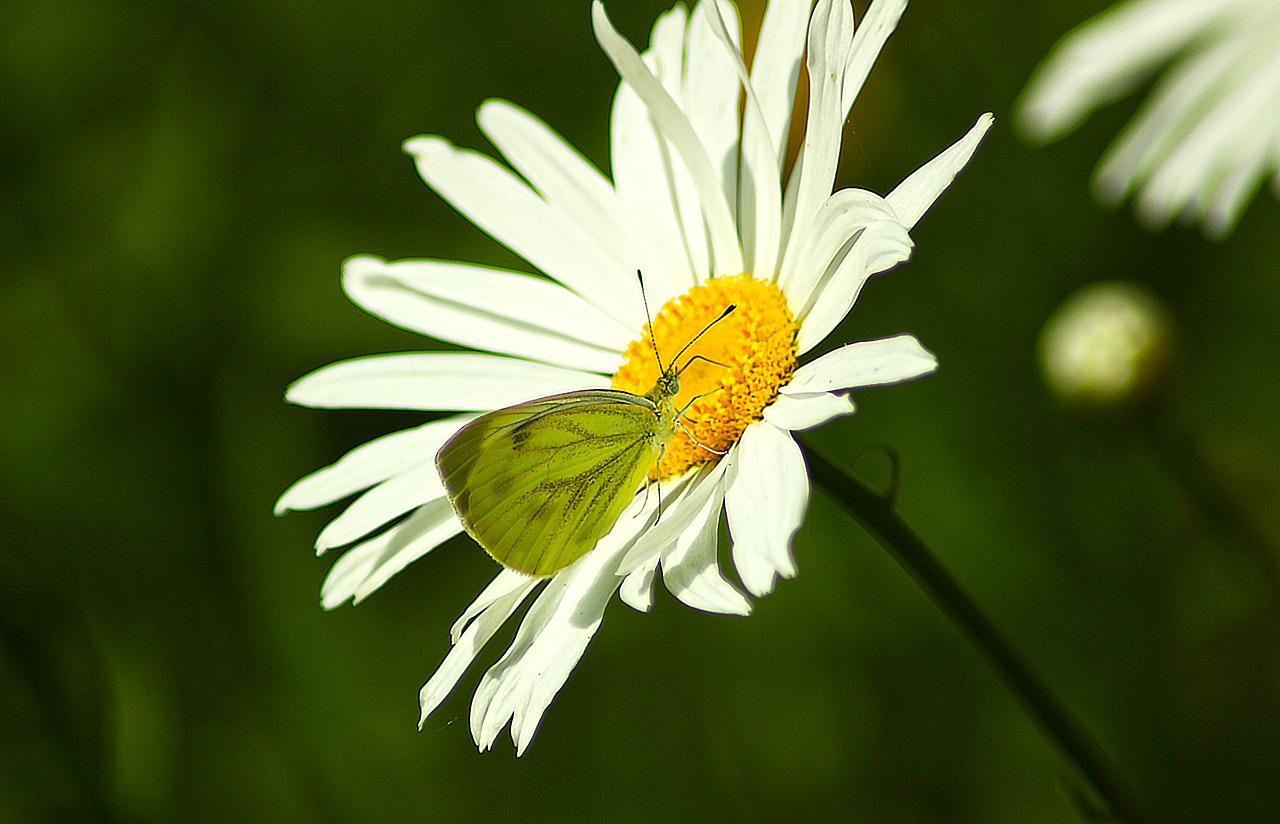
{"x":744,"y":359}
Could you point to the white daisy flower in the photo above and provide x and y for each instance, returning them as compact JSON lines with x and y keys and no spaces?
{"x":1209,"y":133}
{"x":698,"y":203}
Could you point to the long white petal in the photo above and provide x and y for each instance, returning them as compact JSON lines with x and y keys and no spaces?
{"x":796,"y":413}
{"x":879,"y":246}
{"x":366,"y":465}
{"x":690,"y":568}
{"x":1105,"y":58}
{"x":775,"y":70}
{"x":382,"y":504}
{"x":1161,"y":121}
{"x":865,"y":363}
{"x":491,"y":610}
{"x":682,"y":499}
{"x":708,"y":96}
{"x":553,"y":636}
{"x":913,"y":196}
{"x":760,"y":207}
{"x":881,"y":19}
{"x":1224,"y":207}
{"x":645,"y":172}
{"x":365,"y":567}
{"x":558,"y":172}
{"x":768,"y":492}
{"x":488,"y":309}
{"x":1233,"y":134}
{"x":790,"y":195}
{"x":551,"y":639}
{"x":437,"y":380}
{"x":504,"y":583}
{"x":675,"y":127}
{"x":637,"y":586}
{"x":812,"y":258}
{"x":504,"y":206}
{"x":1253,"y":150}
{"x":670,"y":57}
{"x":830,"y":41}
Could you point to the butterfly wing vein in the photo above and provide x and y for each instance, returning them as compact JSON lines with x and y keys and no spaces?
{"x":538,"y":484}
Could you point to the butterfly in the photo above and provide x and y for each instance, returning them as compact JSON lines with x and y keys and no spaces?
{"x":538,"y":484}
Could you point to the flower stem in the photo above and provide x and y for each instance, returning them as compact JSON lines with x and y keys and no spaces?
{"x":877,"y":516}
{"x":1189,"y":464}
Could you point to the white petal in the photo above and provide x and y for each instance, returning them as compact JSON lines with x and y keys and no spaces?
{"x":775,"y":69}
{"x":1232,"y":134}
{"x":913,"y":196}
{"x":710,"y":94}
{"x":1207,"y":133}
{"x":682,"y":500}
{"x":488,"y":309}
{"x":880,"y":246}
{"x":799,"y":412}
{"x":637,"y":586}
{"x":366,"y":465}
{"x":669,"y":58}
{"x":1234,"y":193}
{"x":690,"y":568}
{"x":789,"y":197}
{"x":438,"y":380}
{"x":505,"y":583}
{"x":380,"y":505}
{"x":551,"y":640}
{"x":866,"y":363}
{"x":675,"y":127}
{"x":1164,"y":116}
{"x":645,"y":174}
{"x":830,"y":40}
{"x":760,"y":207}
{"x":811,"y":260}
{"x":561,"y":175}
{"x":768,"y":492}
{"x":880,"y":21}
{"x":365,"y":567}
{"x":553,"y":636}
{"x":494,"y":606}
{"x":506,"y":208}
{"x":1106,"y":58}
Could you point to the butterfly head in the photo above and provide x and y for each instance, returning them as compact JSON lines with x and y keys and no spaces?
{"x":667,"y":387}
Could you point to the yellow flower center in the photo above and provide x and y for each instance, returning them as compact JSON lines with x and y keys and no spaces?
{"x":728,"y":376}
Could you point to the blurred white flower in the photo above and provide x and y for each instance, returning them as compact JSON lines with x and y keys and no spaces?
{"x":1208,"y":134}
{"x":699,"y":202}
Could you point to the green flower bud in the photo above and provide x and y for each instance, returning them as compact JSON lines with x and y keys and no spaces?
{"x":1108,"y":348}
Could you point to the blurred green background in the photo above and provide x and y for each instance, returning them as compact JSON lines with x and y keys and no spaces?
{"x":180,"y":183}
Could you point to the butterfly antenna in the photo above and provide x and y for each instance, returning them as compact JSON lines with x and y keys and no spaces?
{"x":644,"y":298}
{"x":728,"y":310}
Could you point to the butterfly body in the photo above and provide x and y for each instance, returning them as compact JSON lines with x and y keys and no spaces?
{"x":538,"y":484}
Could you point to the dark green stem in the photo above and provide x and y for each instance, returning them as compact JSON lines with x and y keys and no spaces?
{"x":1187,"y":462}
{"x":877,"y":516}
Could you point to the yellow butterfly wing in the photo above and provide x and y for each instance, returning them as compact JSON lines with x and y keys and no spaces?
{"x":539,"y":483}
